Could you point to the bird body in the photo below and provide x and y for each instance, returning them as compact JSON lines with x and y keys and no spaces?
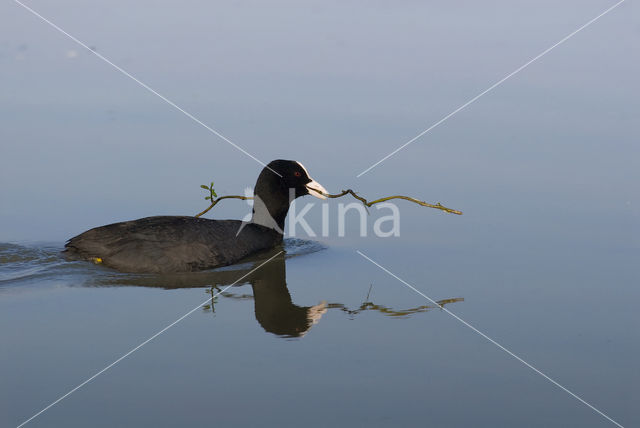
{"x":171,"y":243}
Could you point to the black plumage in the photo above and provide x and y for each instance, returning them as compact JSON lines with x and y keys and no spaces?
{"x":181,"y":244}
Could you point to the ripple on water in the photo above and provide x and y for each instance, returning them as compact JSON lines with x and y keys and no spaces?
{"x":299,"y":247}
{"x":19,"y":262}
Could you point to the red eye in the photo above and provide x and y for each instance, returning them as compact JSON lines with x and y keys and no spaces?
{"x":297,"y":174}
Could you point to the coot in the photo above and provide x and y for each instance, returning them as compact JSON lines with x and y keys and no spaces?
{"x":179,"y":243}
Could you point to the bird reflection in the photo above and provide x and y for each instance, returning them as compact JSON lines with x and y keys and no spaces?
{"x":274,"y":308}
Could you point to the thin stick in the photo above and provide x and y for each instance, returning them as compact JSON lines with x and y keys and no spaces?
{"x":369,"y":292}
{"x":214,"y":201}
{"x":437,"y":206}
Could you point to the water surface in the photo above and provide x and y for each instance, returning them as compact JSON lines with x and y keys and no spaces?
{"x":544,"y":167}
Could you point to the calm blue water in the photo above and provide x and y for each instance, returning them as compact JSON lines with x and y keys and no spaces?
{"x":544,"y":260}
{"x":347,"y":346}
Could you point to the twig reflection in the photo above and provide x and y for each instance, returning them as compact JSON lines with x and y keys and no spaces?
{"x":365,"y":306}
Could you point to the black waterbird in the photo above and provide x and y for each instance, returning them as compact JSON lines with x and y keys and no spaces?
{"x":180,"y":243}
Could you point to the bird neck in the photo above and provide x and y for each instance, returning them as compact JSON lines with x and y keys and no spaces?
{"x":271,"y":202}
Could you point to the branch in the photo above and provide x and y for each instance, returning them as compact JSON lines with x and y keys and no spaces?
{"x":216,"y":200}
{"x":437,"y":206}
{"x":213,"y":197}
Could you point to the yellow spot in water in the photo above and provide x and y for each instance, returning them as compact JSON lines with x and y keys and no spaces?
{"x":97,"y":260}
